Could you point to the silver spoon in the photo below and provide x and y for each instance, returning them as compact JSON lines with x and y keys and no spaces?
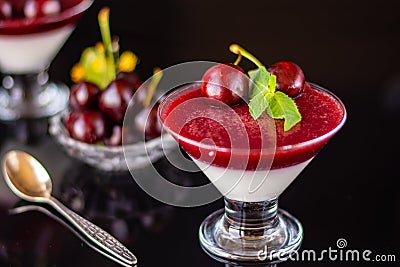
{"x":29,"y":180}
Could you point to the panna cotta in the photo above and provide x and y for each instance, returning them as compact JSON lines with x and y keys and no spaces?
{"x":251,"y":186}
{"x":29,"y":43}
{"x":31,"y":53}
{"x":217,"y":139}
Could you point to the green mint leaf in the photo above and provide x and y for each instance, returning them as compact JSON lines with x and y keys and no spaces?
{"x":283,"y":107}
{"x":264,"y":97}
{"x":253,"y":87}
{"x":257,"y":105}
{"x":272,"y":83}
{"x":261,"y":81}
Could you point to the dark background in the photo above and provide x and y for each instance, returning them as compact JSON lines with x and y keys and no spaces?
{"x":349,"y":191}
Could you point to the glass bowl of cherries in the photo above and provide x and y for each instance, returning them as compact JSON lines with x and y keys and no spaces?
{"x":92,"y":130}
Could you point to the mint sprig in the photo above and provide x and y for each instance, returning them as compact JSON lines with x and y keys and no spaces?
{"x":265,"y":98}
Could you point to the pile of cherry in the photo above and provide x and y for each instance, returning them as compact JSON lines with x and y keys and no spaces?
{"x":30,"y":9}
{"x":97,"y":116}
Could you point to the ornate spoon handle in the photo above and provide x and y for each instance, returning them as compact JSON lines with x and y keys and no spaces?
{"x":95,"y":234}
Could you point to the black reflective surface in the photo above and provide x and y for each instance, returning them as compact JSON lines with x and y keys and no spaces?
{"x":349,"y":191}
{"x":111,"y":200}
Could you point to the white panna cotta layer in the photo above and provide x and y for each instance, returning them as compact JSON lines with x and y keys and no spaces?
{"x":251,"y":186}
{"x":31,"y":53}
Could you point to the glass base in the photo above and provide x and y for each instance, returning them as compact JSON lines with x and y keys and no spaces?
{"x":251,"y":237}
{"x":31,"y":97}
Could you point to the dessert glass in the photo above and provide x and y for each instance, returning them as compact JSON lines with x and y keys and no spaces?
{"x":251,"y":228}
{"x":27,"y":47}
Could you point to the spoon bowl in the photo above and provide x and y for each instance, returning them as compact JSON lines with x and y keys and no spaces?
{"x":26,"y":176}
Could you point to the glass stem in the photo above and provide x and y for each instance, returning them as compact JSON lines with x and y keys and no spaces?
{"x":25,"y":86}
{"x":250,"y":219}
{"x":30,"y":95}
{"x":29,"y":84}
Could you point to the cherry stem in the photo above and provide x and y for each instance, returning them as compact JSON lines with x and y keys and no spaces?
{"x":101,"y":53}
{"x":115,"y":48}
{"x":155,"y":80}
{"x":237,"y":49}
{"x":239,"y":58}
{"x":104,"y":23}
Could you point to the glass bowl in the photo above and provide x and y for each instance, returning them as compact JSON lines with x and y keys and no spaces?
{"x":110,"y":158}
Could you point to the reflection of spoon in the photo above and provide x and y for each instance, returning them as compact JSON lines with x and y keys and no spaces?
{"x":53,"y":215}
{"x":29,"y":180}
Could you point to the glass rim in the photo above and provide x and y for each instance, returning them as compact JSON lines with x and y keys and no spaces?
{"x":65,"y":14}
{"x":266,"y":151}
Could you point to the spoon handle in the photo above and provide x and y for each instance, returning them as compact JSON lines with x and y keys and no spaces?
{"x":95,"y":234}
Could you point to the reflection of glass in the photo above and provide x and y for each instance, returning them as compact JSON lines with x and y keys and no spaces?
{"x":251,"y":228}
{"x":27,"y":131}
{"x":27,"y":47}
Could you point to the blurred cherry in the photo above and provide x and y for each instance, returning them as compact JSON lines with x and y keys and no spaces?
{"x":87,"y":126}
{"x":41,"y":8}
{"x":116,"y":137}
{"x":5,"y":10}
{"x":114,"y":100}
{"x":147,"y":121}
{"x":130,"y":77}
{"x":84,"y":95}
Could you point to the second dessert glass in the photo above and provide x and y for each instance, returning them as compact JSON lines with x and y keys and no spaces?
{"x":251,"y":228}
{"x":27,"y":47}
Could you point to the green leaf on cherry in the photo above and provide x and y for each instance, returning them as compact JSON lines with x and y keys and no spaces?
{"x":265,"y":98}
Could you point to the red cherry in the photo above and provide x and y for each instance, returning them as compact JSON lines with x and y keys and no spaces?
{"x":147,"y":120}
{"x":129,"y":135}
{"x":225,"y":82}
{"x":135,"y":82}
{"x":69,"y":122}
{"x":116,"y":137}
{"x":5,"y":10}
{"x":88,"y":126}
{"x":40,"y":8}
{"x":84,"y":95}
{"x":115,"y":100}
{"x":18,"y":8}
{"x":130,"y":77}
{"x":289,"y":78}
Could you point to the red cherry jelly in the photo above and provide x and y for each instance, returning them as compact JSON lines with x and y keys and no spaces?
{"x":208,"y":133}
